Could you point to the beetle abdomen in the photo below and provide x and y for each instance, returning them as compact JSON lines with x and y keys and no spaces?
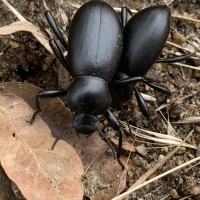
{"x":144,"y":37}
{"x":95,"y":41}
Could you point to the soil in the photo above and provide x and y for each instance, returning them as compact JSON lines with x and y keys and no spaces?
{"x":22,"y":58}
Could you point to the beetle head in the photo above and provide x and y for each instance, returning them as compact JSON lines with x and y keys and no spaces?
{"x":85,"y":124}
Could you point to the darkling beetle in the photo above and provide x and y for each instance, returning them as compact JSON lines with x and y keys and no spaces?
{"x":94,"y":51}
{"x":144,"y":37}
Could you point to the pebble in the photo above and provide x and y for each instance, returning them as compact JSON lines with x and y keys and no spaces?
{"x":197,"y":25}
{"x":195,"y":190}
{"x":141,"y":149}
{"x":197,"y":129}
{"x":31,"y":7}
{"x":174,"y":194}
{"x":1,"y":74}
{"x":196,"y":74}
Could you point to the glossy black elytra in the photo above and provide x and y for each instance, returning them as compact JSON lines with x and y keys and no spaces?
{"x":144,"y":37}
{"x":94,"y":50}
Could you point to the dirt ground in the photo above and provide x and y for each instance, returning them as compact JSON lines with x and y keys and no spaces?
{"x":22,"y":58}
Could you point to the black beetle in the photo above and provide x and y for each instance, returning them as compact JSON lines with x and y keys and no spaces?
{"x":144,"y":37}
{"x":94,"y":50}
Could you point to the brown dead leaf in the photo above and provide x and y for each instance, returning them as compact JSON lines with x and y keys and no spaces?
{"x":27,"y":158}
{"x":126,"y":145}
{"x":20,"y":26}
{"x":27,"y":26}
{"x":103,"y":173}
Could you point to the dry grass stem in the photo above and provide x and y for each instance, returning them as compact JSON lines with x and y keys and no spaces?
{"x":187,"y":66}
{"x":178,"y":100}
{"x":188,"y":120}
{"x":42,"y":39}
{"x":197,"y":54}
{"x":125,"y":194}
{"x":157,"y":166}
{"x":158,"y":137}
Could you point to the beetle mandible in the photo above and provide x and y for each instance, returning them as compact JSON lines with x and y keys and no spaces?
{"x":94,"y":50}
{"x":144,"y":37}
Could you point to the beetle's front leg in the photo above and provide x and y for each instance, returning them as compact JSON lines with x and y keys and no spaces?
{"x":53,"y":44}
{"x":45,"y":94}
{"x":116,"y":126}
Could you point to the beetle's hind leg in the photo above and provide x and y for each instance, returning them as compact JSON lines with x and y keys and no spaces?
{"x":150,"y":82}
{"x":45,"y":94}
{"x":54,"y":27}
{"x":153,"y":84}
{"x":142,"y":103}
{"x":53,"y":44}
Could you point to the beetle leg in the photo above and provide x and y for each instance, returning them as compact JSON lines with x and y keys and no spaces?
{"x":173,"y":59}
{"x":54,"y":27}
{"x":124,"y":16}
{"x":45,"y":94}
{"x":150,"y":82}
{"x":157,"y":87}
{"x":116,"y":126}
{"x":57,"y":51}
{"x":127,"y":81}
{"x":141,"y":103}
{"x":124,"y":12}
{"x":104,"y":137}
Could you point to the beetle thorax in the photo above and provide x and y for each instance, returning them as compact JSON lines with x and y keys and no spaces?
{"x":89,"y":95}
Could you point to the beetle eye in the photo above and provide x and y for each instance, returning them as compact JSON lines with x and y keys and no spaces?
{"x":85,"y":124}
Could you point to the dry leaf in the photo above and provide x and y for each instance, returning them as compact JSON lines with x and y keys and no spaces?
{"x":40,"y":38}
{"x":101,"y":168}
{"x":126,"y":145}
{"x":27,"y":158}
{"x":20,"y":26}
